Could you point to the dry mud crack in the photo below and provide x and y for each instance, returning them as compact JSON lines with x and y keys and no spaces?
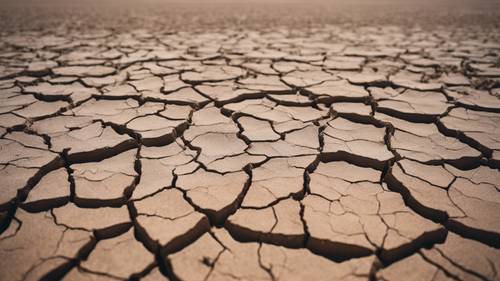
{"x":331,"y":154}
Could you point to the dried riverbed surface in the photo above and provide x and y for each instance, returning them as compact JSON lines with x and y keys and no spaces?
{"x":336,"y":151}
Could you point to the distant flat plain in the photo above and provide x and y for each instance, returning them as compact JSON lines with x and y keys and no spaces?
{"x":197,"y":14}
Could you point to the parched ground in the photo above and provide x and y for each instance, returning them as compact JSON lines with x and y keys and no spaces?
{"x":259,"y":141}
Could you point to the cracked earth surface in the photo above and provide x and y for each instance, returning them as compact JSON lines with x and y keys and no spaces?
{"x":327,"y":154}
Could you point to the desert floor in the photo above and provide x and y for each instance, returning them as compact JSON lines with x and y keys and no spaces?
{"x":250,"y":140}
